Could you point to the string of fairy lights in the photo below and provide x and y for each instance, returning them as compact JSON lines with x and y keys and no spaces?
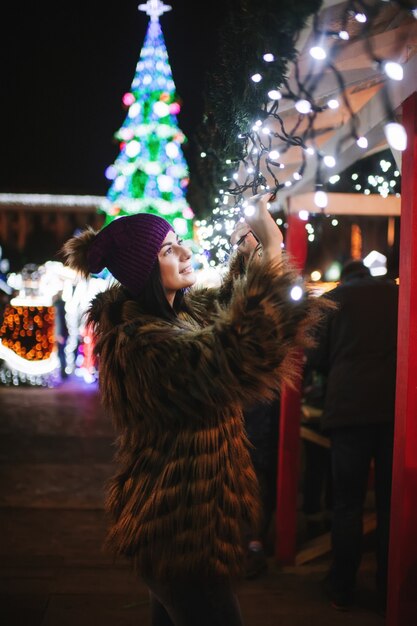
{"x":384,"y":180}
{"x":261,"y":168}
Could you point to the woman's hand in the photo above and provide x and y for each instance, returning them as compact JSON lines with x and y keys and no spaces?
{"x":243,"y":239}
{"x":263,"y":225}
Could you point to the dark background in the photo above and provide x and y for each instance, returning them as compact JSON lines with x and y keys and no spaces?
{"x":66,"y":67}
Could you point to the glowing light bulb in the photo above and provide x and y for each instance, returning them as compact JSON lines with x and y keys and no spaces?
{"x":333,"y":104}
{"x":361,"y":18}
{"x":329,"y":161}
{"x":303,"y":106}
{"x":315,"y":275}
{"x":134,"y":110}
{"x":297,"y":176}
{"x":172,"y":150}
{"x":274,"y":94}
{"x":256,"y":78}
{"x":268,"y":57}
{"x":362,"y":142}
{"x":110,"y":172}
{"x":334,"y":179}
{"x":296,"y":293}
{"x":188,"y":213}
{"x":396,"y":136}
{"x":161,"y":109}
{"x":318,"y":53}
{"x":249,"y":210}
{"x":128,"y":99}
{"x":132,"y":148}
{"x":174,"y":108}
{"x":303,"y":215}
{"x":310,"y":151}
{"x":119,"y":182}
{"x":165,"y":183}
{"x":343,"y":34}
{"x":320,"y":199}
{"x":274,"y":155}
{"x":393,"y":70}
{"x":203,"y":155}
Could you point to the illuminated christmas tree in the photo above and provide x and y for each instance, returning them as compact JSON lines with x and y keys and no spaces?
{"x":150,"y":174}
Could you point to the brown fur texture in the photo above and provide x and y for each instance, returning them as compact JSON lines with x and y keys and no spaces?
{"x":75,"y":251}
{"x":185,"y":483}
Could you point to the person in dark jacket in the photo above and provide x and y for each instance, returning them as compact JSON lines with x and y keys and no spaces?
{"x":317,"y":472}
{"x":175,"y":369}
{"x":357,"y":347}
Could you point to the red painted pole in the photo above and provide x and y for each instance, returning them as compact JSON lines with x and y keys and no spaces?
{"x":289,"y":431}
{"x":402,"y":577}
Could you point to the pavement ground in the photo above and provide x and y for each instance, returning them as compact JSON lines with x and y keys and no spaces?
{"x":55,"y":456}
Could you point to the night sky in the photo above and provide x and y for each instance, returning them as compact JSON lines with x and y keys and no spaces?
{"x":66,"y":67}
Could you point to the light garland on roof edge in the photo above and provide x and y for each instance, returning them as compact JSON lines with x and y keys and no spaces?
{"x":268,"y":138}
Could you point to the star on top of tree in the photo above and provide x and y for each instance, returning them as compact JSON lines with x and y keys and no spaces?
{"x":154,"y":8}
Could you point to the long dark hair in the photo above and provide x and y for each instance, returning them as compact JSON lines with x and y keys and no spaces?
{"x":152,"y":299}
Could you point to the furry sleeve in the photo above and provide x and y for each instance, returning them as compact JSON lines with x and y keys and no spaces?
{"x":242,"y":357}
{"x":209,"y":298}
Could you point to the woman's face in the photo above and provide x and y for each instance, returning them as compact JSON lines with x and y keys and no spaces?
{"x":175,"y":266}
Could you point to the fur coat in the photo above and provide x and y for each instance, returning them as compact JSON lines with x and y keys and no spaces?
{"x":185,"y":483}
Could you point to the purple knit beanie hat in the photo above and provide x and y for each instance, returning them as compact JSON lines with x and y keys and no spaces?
{"x":129,"y":247}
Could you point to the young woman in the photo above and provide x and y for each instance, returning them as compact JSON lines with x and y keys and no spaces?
{"x":176,"y":366}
